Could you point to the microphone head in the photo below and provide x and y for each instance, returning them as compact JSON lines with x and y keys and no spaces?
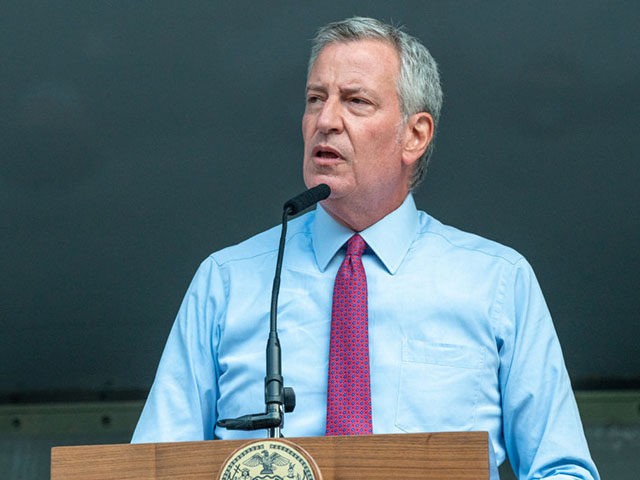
{"x":307,"y":198}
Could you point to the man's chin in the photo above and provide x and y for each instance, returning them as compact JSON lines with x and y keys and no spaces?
{"x":315,"y":180}
{"x":336,"y":191}
{"x":338,"y":184}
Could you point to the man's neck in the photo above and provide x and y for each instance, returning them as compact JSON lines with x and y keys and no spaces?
{"x":358,"y":218}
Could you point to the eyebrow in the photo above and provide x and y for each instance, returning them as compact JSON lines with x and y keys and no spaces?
{"x":355,"y":90}
{"x":343,"y":90}
{"x":315,"y":86}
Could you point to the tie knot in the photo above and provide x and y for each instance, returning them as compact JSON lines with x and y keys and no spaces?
{"x":356,"y":246}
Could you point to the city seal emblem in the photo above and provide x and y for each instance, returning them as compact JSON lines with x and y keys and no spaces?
{"x":272,"y":459}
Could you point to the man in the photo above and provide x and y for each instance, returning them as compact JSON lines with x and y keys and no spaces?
{"x":459,"y":336}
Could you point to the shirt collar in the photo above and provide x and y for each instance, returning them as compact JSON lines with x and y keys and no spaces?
{"x":389,"y":238}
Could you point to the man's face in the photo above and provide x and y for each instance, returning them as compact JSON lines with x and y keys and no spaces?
{"x":353,"y":128}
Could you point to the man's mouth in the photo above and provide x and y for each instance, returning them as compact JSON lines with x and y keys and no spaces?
{"x":327,"y":153}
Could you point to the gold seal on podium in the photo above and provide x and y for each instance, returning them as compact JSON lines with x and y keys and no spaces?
{"x":273,"y":459}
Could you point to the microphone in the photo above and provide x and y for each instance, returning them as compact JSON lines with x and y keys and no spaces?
{"x":307,"y":198}
{"x":278,"y":399}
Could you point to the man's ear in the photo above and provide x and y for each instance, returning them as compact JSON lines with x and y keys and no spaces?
{"x":418,"y":135}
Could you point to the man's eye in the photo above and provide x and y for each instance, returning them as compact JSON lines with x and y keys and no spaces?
{"x":359,"y":101}
{"x":313,"y":99}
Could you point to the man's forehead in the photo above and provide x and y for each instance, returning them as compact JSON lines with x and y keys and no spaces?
{"x":357,"y":45}
{"x":368,"y":56}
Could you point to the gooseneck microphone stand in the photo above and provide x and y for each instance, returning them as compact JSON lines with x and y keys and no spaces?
{"x":278,"y":398}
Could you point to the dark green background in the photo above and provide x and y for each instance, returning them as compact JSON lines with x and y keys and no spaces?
{"x":137,"y":137}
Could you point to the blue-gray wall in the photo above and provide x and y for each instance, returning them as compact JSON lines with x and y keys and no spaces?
{"x":138,"y":137}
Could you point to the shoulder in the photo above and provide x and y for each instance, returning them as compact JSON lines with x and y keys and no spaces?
{"x":453,"y":240}
{"x":263,"y":244}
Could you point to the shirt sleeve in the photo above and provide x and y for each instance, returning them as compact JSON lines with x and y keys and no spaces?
{"x":181,"y":403}
{"x":541,"y":424}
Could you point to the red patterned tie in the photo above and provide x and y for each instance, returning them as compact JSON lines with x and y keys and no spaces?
{"x":349,"y":391}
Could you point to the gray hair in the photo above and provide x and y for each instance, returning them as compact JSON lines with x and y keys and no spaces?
{"x":418,"y":86}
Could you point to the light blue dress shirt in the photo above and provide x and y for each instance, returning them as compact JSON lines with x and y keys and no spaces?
{"x":460,"y":339}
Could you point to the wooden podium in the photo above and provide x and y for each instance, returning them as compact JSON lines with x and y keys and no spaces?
{"x":442,"y":456}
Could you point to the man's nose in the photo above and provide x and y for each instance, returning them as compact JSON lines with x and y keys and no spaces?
{"x":330,"y":117}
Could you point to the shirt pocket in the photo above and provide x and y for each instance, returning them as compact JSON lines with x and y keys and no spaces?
{"x":439,"y":386}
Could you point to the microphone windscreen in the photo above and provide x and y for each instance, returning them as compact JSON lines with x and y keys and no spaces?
{"x":307,"y":198}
